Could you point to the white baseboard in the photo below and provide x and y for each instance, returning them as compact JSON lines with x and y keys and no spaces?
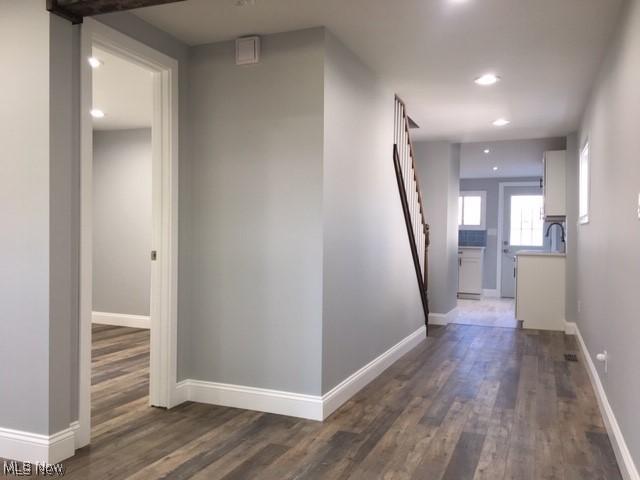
{"x":570,"y":328}
{"x":121,"y":319}
{"x":313,"y":407}
{"x":442,"y":318}
{"x":251,"y":398}
{"x":33,"y":447}
{"x":346,"y":389}
{"x":625,"y":461}
{"x":490,"y":293}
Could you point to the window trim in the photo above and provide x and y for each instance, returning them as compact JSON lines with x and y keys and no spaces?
{"x":483,"y":209}
{"x":583,"y":219}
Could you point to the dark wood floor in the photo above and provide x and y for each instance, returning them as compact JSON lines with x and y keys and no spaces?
{"x":470,"y":402}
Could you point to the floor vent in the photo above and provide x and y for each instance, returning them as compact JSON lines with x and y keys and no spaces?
{"x":571,"y":357}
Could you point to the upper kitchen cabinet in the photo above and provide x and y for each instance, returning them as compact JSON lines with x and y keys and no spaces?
{"x":554,"y":184}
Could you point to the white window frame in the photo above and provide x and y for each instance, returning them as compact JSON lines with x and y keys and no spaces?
{"x":584,"y":159}
{"x":483,"y":209}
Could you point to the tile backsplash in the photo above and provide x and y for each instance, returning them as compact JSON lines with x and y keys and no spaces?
{"x":472,"y":238}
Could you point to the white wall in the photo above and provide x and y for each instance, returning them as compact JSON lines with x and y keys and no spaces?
{"x":438,"y":165}
{"x":256,"y":195}
{"x":608,"y":257}
{"x":370,"y":294}
{"x":122,"y":221}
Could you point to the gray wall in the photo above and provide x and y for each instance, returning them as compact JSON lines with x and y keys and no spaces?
{"x":257,"y":143}
{"x":571,"y":301}
{"x":371,"y":299}
{"x":38,"y":288}
{"x":122,"y":220}
{"x":492,"y":187}
{"x":607,"y":253}
{"x":438,"y":165}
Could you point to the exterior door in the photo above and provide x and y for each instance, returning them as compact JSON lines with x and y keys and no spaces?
{"x":522,"y":229}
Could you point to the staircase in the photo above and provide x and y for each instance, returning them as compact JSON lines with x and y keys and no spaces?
{"x":411,"y":199}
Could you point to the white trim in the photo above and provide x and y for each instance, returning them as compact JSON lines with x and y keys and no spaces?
{"x":442,"y":318}
{"x":501,"y":187}
{"x":313,"y":407}
{"x":490,"y":293}
{"x":121,"y":319}
{"x":583,"y":219}
{"x":33,"y":447}
{"x":625,"y":460}
{"x":250,"y":398}
{"x":164,"y":281}
{"x":346,"y":389}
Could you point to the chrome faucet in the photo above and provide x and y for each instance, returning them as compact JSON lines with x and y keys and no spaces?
{"x":561,"y":230}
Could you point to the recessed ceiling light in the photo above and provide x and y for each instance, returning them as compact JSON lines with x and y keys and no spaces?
{"x":501,"y":122}
{"x":495,"y":169}
{"x":96,"y":113}
{"x":487,"y":79}
{"x":94,"y":62}
{"x":487,"y":151}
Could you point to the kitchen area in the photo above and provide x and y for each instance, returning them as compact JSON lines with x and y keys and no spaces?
{"x":511,"y":249}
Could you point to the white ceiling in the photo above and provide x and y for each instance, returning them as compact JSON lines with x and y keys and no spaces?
{"x":514,"y":158}
{"x":123,"y":91}
{"x":546,"y":51}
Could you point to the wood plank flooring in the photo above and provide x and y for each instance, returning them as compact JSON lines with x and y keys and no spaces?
{"x":470,"y":402}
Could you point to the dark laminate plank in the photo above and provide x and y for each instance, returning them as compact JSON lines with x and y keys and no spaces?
{"x":464,"y":460}
{"x":469,"y":402}
{"x":253,"y":466}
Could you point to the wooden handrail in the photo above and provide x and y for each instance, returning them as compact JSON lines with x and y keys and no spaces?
{"x":412,"y":201}
{"x":412,"y":241}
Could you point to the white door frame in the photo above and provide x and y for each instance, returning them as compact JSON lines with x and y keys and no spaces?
{"x":501,"y":187}
{"x":164,"y":271}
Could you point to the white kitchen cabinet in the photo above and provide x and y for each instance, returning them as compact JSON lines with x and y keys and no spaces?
{"x":554,"y":184}
{"x":470,"y":265}
{"x":540,"y":290}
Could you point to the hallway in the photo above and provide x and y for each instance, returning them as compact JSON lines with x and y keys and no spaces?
{"x":488,"y":312}
{"x":470,"y":402}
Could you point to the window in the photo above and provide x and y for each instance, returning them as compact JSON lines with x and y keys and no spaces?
{"x":527,"y":220}
{"x":583,"y":185}
{"x":471,"y":210}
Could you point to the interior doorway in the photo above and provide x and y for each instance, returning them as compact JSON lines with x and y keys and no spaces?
{"x":129,"y":200}
{"x":122,"y":236}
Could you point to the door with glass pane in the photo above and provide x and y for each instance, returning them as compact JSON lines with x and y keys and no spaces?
{"x":523,"y":229}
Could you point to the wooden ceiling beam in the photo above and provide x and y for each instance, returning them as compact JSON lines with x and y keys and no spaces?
{"x":76,"y":10}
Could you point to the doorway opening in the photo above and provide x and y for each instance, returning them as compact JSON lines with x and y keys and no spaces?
{"x":129,"y":198}
{"x":122,"y":235}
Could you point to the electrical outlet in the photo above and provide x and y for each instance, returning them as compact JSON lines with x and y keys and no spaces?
{"x":579,"y":306}
{"x":604,"y":358}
